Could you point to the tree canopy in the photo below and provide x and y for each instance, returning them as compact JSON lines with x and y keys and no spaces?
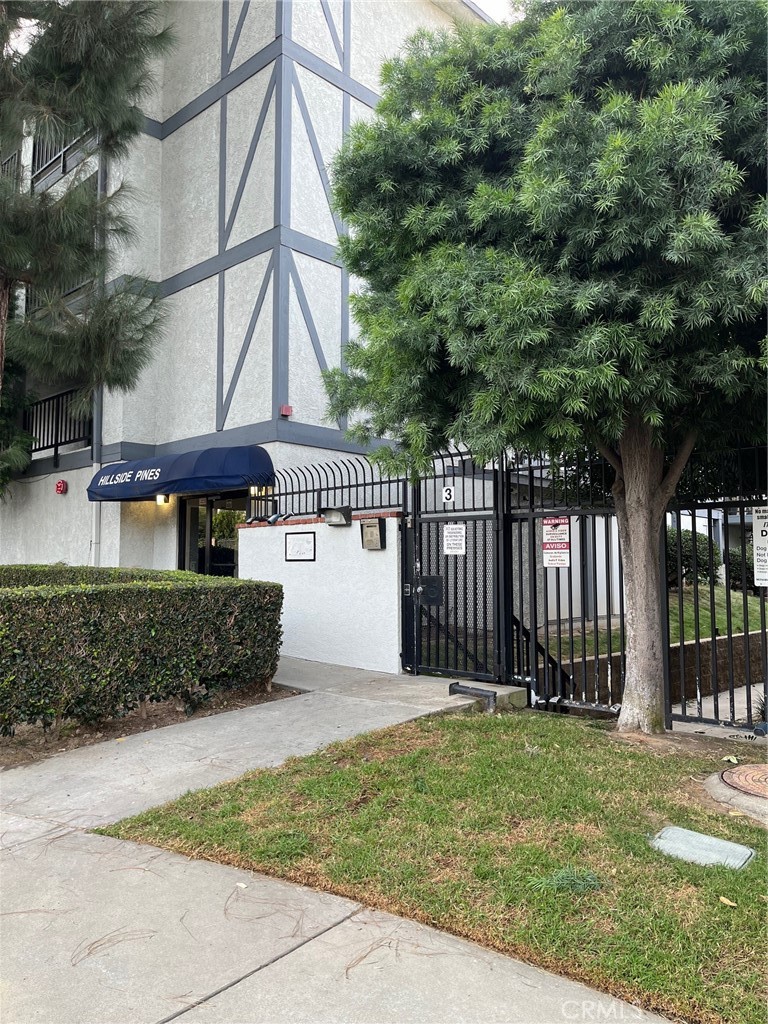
{"x":561,"y":224}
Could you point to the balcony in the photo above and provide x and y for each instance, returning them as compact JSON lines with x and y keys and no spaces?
{"x":10,"y":166}
{"x":52,"y":159}
{"x":54,"y":424}
{"x":35,"y":297}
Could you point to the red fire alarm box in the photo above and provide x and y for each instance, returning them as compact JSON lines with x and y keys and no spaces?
{"x":61,"y":487}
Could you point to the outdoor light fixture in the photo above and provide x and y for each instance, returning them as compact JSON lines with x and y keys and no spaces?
{"x":273,"y":518}
{"x":340,"y":516}
{"x":162,"y":499}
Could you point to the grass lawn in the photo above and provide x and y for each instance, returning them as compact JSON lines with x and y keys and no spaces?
{"x":527,"y":833}
{"x":707,"y":602}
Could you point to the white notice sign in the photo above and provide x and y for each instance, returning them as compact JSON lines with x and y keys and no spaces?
{"x":760,"y":545}
{"x":455,"y":539}
{"x":556,"y":542}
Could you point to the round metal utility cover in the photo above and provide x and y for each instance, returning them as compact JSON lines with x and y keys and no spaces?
{"x":748,"y":778}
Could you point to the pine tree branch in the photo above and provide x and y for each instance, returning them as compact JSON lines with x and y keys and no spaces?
{"x":672,"y":476}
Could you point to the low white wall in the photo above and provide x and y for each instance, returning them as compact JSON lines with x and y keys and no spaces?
{"x":37,"y":525}
{"x":344,"y":607}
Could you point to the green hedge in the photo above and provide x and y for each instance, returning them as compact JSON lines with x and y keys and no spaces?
{"x":741,"y":574}
{"x":703,"y":566}
{"x":90,"y":648}
{"x":61,"y":575}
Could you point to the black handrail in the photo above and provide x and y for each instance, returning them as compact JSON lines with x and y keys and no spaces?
{"x":10,"y":166}
{"x":50,"y":155}
{"x":53,"y":423}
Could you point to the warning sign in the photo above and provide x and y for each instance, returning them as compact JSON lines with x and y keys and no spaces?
{"x":455,"y":539}
{"x":556,"y":542}
{"x":760,"y":545}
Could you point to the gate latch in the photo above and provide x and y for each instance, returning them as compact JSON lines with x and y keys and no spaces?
{"x":430,"y":589}
{"x":407,"y":590}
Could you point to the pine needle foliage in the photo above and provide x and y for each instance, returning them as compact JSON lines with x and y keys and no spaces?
{"x":74,"y":70}
{"x":560,"y":225}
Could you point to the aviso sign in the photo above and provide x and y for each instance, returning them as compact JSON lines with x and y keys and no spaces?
{"x":556,"y":542}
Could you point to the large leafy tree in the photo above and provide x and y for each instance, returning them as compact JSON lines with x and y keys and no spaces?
{"x":562,"y":228}
{"x":72,"y":69}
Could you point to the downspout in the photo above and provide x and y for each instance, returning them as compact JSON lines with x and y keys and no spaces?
{"x":98,"y":409}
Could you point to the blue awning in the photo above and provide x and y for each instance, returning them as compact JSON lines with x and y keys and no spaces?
{"x":201,"y":472}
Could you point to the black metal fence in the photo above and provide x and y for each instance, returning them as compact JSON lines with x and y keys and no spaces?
{"x":353,"y":482}
{"x":55,"y":422}
{"x":485,"y":598}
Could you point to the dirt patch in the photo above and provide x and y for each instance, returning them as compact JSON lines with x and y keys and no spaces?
{"x":446,"y":868}
{"x":380,"y":747}
{"x":30,"y":744}
{"x":682,"y":743}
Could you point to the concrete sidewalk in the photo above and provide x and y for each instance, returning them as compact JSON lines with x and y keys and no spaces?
{"x":100,"y":931}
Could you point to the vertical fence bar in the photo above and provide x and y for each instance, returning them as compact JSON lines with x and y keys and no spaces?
{"x":571,"y":652}
{"x":608,"y":610}
{"x":584,"y":597}
{"x":664,"y":606}
{"x":595,"y":610}
{"x":696,"y":626}
{"x":746,"y":610}
{"x":533,"y":674}
{"x":681,"y":612}
{"x":729,"y":629}
{"x":713,"y":616}
{"x":549,"y":689}
{"x":622,"y":637}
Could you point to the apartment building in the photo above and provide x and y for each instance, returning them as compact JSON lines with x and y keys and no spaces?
{"x":233,"y":218}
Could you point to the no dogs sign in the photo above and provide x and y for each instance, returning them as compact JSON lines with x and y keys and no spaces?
{"x":556,"y":542}
{"x":760,"y":545}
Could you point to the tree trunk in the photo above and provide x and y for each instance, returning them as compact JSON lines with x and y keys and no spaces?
{"x":642,"y":491}
{"x":5,"y":306}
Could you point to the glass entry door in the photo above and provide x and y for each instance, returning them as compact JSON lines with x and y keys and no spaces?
{"x":209,"y":534}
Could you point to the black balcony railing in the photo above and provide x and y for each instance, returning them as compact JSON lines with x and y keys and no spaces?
{"x":56,"y":156}
{"x":10,"y":166}
{"x":53,"y":424}
{"x":36,"y":297}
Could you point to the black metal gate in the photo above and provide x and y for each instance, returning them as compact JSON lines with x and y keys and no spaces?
{"x":451,"y":620}
{"x":480,"y":602}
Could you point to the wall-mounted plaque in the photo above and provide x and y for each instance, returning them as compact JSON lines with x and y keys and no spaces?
{"x":300,"y":547}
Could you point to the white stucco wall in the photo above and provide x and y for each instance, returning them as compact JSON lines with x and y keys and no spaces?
{"x":37,"y":525}
{"x":194,"y":62}
{"x":342,"y":608}
{"x":148,"y":534}
{"x":380,"y":27}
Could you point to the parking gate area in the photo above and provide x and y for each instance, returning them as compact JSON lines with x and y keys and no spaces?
{"x":490,"y":593}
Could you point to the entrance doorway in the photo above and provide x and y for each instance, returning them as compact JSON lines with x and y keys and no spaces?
{"x":208,"y":534}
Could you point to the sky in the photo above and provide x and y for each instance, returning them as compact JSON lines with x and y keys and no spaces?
{"x":498,"y":9}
